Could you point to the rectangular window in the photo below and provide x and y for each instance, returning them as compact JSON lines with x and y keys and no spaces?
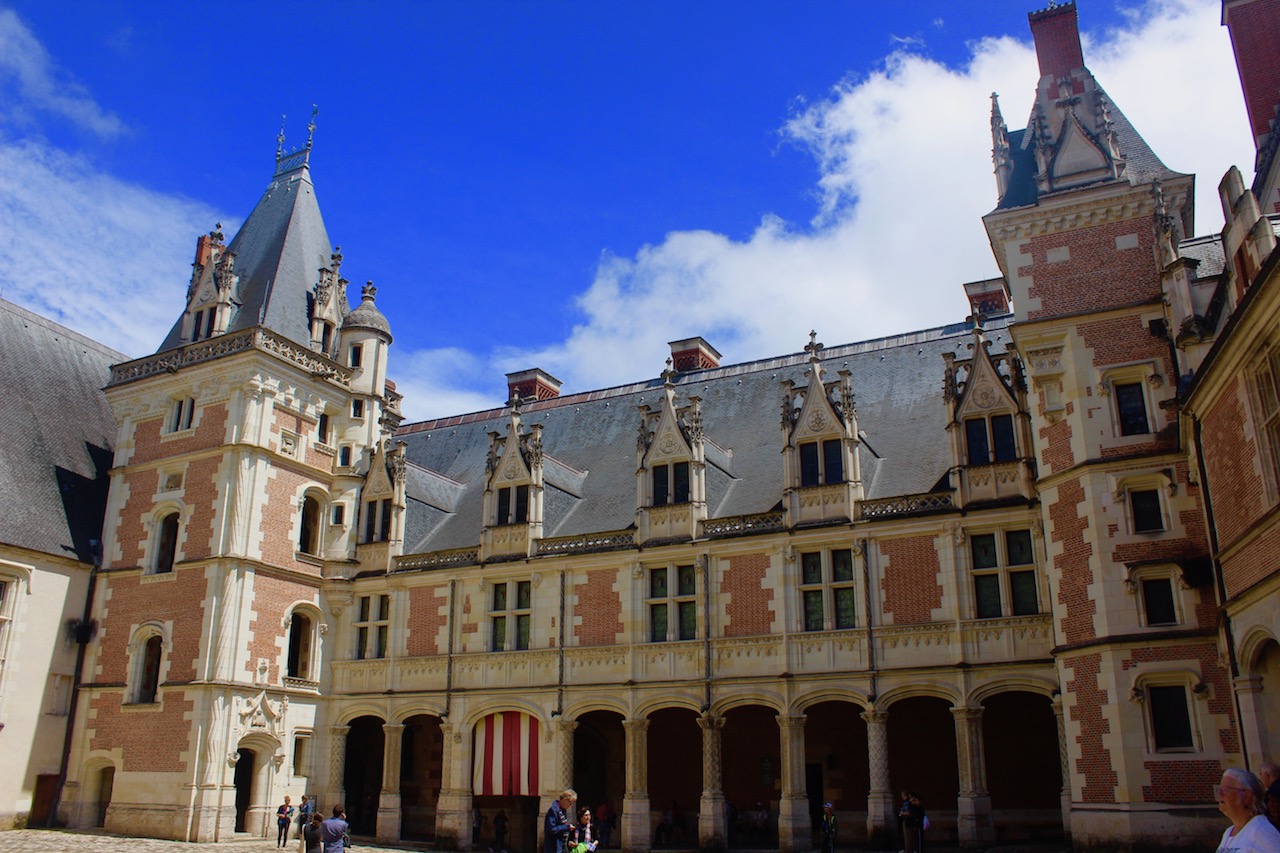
{"x":1170,"y":718}
{"x":357,"y":409}
{"x":300,"y":743}
{"x":665,"y":597}
{"x":826,"y":587}
{"x":373,"y":623}
{"x":6,"y":603}
{"x":181,"y":414}
{"x":339,"y":514}
{"x":1002,"y":440}
{"x":510,"y":615}
{"x":1131,"y":408}
{"x":821,"y":462}
{"x":671,"y":484}
{"x":344,"y":456}
{"x":509,"y":514}
{"x":975,"y":436}
{"x":384,"y":527}
{"x":1269,"y":411}
{"x":1004,"y":577}
{"x":1157,"y":601}
{"x":357,"y":355}
{"x":1147,"y":517}
{"x":322,"y":429}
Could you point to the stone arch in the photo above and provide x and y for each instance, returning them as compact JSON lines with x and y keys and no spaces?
{"x":1253,"y":645}
{"x":646,"y":708}
{"x":97,"y":783}
{"x":589,"y":704}
{"x":473,"y":717}
{"x":303,"y":623}
{"x":261,"y":754}
{"x":1024,"y":683}
{"x":755,"y":697}
{"x":353,"y":712}
{"x":404,"y":713}
{"x":853,"y":696}
{"x":948,"y":693}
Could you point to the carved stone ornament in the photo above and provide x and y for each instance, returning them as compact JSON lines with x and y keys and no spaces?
{"x":668,"y":444}
{"x":985,"y":397}
{"x":511,"y":471}
{"x":818,"y":420}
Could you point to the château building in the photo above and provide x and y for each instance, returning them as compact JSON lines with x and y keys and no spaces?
{"x":1021,"y":564}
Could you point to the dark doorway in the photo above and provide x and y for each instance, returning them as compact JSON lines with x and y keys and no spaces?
{"x":675,"y":776}
{"x":421,"y":753}
{"x":363,"y":779}
{"x":42,"y":800}
{"x":922,"y":757}
{"x":752,"y":767}
{"x":1024,"y":771}
{"x":244,"y":786}
{"x":106,"y":782}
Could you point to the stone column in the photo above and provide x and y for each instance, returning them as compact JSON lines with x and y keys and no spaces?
{"x":973,"y":806}
{"x":794,"y":830}
{"x":1064,"y":761}
{"x":564,"y":755}
{"x":636,"y":831}
{"x":881,"y":820}
{"x":453,"y":806}
{"x":1251,"y":727}
{"x":337,"y":792}
{"x":389,"y":800}
{"x":713,"y":834}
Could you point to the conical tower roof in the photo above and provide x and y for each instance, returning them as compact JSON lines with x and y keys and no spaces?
{"x":278,"y":254}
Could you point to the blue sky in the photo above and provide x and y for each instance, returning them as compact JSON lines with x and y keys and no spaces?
{"x":562,"y":185}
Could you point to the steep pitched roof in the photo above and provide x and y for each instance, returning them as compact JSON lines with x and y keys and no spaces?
{"x":59,"y":435}
{"x":279,"y":252}
{"x":590,"y":439}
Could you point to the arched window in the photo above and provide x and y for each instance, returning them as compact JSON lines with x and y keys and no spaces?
{"x":300,"y":639}
{"x":148,"y":680}
{"x":309,"y":536}
{"x":166,"y":544}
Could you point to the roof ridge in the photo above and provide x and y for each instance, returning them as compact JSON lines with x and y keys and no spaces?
{"x":53,"y":325}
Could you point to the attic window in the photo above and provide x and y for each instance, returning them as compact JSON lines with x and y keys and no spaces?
{"x":821,"y":462}
{"x":202,"y":324}
{"x":509,"y":514}
{"x":985,"y":435}
{"x":671,"y":484}
{"x":326,"y":337}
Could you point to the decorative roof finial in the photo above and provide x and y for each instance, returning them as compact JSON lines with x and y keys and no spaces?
{"x":369,"y":291}
{"x":311,"y":128}
{"x":280,"y":139}
{"x":813,"y":347}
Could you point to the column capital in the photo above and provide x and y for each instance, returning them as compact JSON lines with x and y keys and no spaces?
{"x":393,"y":727}
{"x":966,"y":713}
{"x":1247,"y":683}
{"x":339,"y":731}
{"x":709,"y":722}
{"x":874,"y":717}
{"x":565,"y":726}
{"x":639,"y":725}
{"x":790,"y":721}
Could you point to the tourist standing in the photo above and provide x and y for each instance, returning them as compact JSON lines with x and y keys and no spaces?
{"x":1241,"y":799}
{"x":557,"y":825}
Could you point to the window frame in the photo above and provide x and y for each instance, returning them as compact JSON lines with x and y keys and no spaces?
{"x":164,"y":555}
{"x":821,"y":462}
{"x":312,"y":534}
{"x":300,"y":663}
{"x":1131,"y":509}
{"x":826,"y":589}
{"x":377,"y":521}
{"x":148,"y":651}
{"x":1187,"y":685}
{"x":181,"y":416}
{"x":510,"y":604}
{"x":1142,"y":374}
{"x":371,"y":626}
{"x":511,"y":505}
{"x":1004,"y":570}
{"x":993,"y":450}
{"x":1144,"y":602}
{"x":677,"y":598}
{"x":665,"y":483}
{"x":1265,"y":398}
{"x":10,"y":586}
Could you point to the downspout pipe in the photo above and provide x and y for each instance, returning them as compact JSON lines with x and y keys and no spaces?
{"x":83,"y":634}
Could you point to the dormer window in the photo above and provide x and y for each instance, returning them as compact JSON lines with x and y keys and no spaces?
{"x":202,"y":323}
{"x":326,"y":337}
{"x":821,"y":462}
{"x":671,"y":484}
{"x":377,"y":520}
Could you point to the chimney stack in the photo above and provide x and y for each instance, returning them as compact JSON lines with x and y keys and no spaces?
{"x":534,"y":384}
{"x":693,"y":354}
{"x":988,"y":298}
{"x":1056,"y":31}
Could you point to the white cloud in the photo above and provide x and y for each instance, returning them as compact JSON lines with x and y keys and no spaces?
{"x":442,"y":382}
{"x":906,"y":175}
{"x":31,"y":81}
{"x":105,"y":257}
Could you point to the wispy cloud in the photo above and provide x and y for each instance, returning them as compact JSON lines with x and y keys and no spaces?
{"x":30,"y":81}
{"x":905,"y":177}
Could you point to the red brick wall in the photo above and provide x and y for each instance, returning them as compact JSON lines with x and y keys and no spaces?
{"x":1253,"y":562}
{"x":200,"y":490}
{"x":1094,"y":763}
{"x":130,"y":532}
{"x":1073,"y":563}
{"x":1185,"y":781}
{"x":267,"y":638}
{"x":425,"y":619}
{"x":1056,"y":440}
{"x":747,"y":598}
{"x":151,"y":740}
{"x":1097,"y":276}
{"x":209,"y":432}
{"x":600,"y":610}
{"x":306,"y":430}
{"x":1231,"y":460}
{"x":279,"y":523}
{"x":911,"y":588}
{"x":1255,"y":36}
{"x":132,"y":603}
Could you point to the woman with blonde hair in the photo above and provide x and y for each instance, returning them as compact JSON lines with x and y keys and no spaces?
{"x":1241,"y":799}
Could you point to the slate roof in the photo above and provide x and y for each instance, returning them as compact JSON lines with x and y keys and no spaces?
{"x":59,"y":435}
{"x":1142,"y":166}
{"x":589,"y":439}
{"x":279,"y":251}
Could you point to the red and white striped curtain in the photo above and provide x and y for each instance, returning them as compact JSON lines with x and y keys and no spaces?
{"x":506,"y":756}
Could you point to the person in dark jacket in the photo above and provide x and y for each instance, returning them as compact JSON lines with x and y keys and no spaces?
{"x":558,"y":823}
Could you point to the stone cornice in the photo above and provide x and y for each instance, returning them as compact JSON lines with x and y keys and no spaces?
{"x":256,"y":338}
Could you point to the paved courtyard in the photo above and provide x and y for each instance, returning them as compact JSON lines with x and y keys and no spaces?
{"x":65,"y":841}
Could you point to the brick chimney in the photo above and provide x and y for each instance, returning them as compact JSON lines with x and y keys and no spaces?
{"x":1056,"y":31}
{"x":693,"y":354}
{"x":987,"y":298}
{"x":1255,"y":37}
{"x":534,"y":384}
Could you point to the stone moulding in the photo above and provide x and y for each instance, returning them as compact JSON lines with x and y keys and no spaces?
{"x":586,"y":543}
{"x":256,"y":338}
{"x":764,"y":522}
{"x":907,"y":505}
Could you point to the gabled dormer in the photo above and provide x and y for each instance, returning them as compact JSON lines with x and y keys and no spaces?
{"x":671,"y":478}
{"x":211,"y":294}
{"x":513,"y":491}
{"x":329,"y":307}
{"x":821,"y":471}
{"x":382,"y":506}
{"x":988,"y":424}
